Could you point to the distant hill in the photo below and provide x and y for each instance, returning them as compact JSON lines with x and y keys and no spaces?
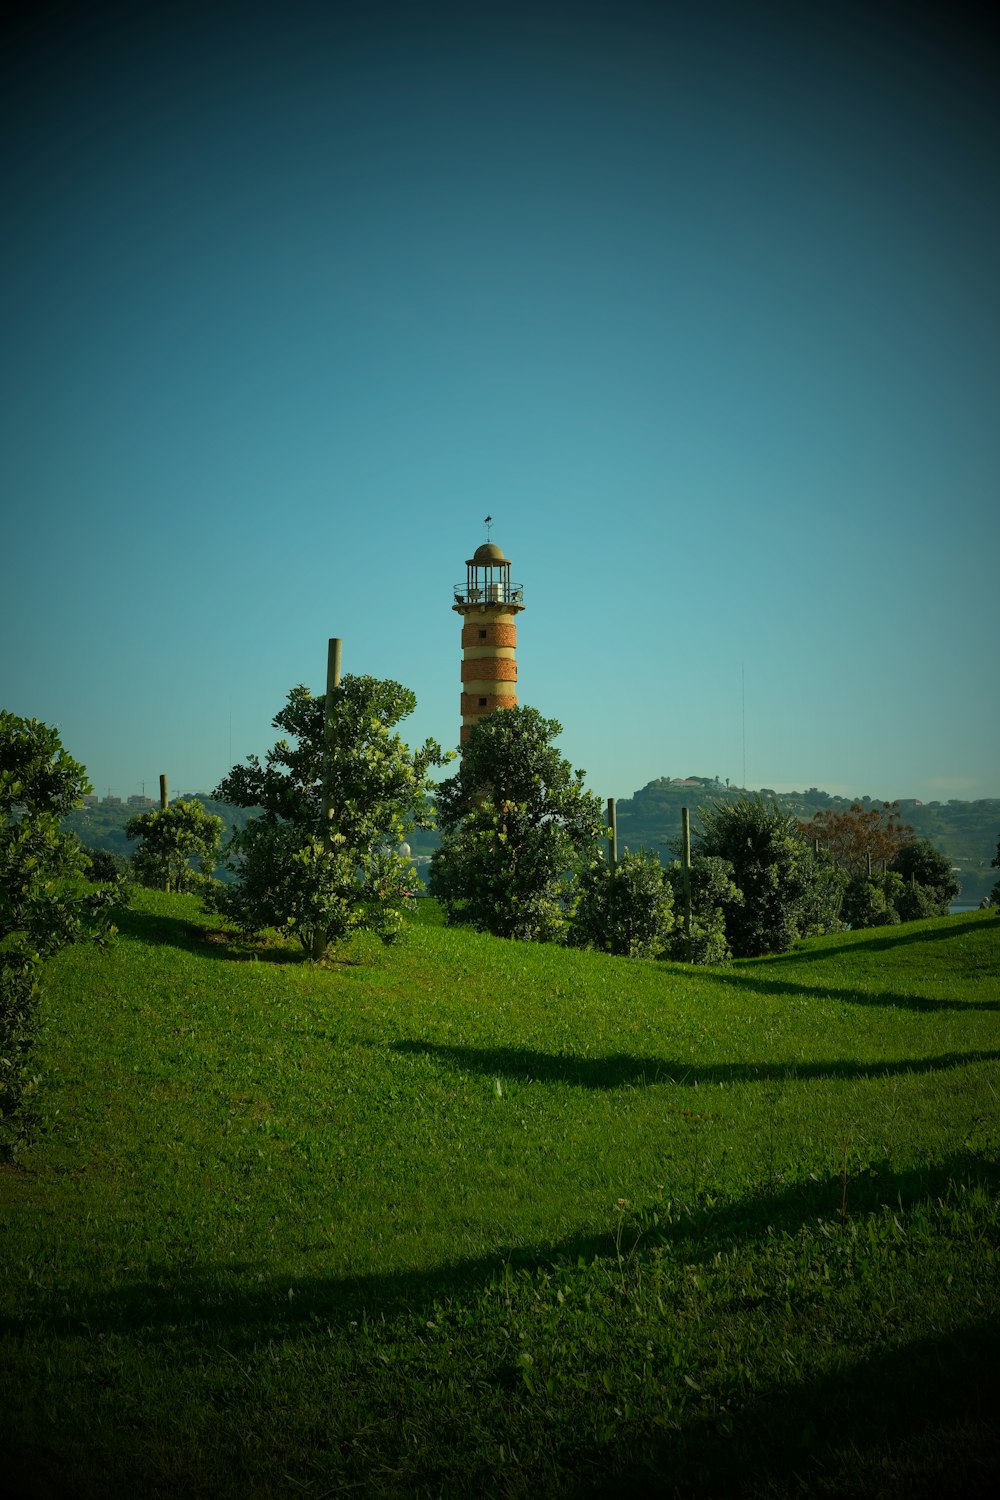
{"x":966,"y":832}
{"x":103,"y":826}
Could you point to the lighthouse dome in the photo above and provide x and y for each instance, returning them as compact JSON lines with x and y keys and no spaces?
{"x":489,"y":554}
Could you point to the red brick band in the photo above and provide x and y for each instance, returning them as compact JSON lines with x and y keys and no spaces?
{"x":490,"y":669}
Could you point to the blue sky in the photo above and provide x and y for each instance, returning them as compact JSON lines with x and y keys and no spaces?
{"x":699,"y":301}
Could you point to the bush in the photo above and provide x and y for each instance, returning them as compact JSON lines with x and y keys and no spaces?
{"x":104,"y":865}
{"x":517,"y":825}
{"x":171,"y":837}
{"x":920,"y":864}
{"x":871,"y":903}
{"x":914,"y":902}
{"x":324,"y":877}
{"x":287,"y":882}
{"x":625,"y":909}
{"x":713,"y":891}
{"x":45,"y":902}
{"x":781,"y":881}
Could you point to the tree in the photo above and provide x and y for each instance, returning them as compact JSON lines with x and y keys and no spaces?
{"x":171,"y":837}
{"x":862,"y":838}
{"x":995,"y":865}
{"x":517,"y":823}
{"x":773,"y":868}
{"x":713,"y":892}
{"x":103,"y":865}
{"x":872,"y":902}
{"x":292,"y":872}
{"x":924,"y":867}
{"x":45,"y":901}
{"x":626,"y":908}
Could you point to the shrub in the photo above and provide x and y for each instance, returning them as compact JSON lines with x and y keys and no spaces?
{"x":517,"y":826}
{"x":625,"y":909}
{"x":774,"y":869}
{"x":104,"y":865}
{"x":713,"y":891}
{"x":871,"y":903}
{"x":45,"y":902}
{"x":324,"y":878}
{"x":171,"y":837}
{"x":920,"y":864}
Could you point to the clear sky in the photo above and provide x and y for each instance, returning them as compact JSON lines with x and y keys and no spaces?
{"x":701,"y":302}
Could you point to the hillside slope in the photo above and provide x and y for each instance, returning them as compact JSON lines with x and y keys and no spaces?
{"x":474,"y":1216}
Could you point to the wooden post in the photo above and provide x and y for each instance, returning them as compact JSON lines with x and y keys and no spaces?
{"x":612,"y":832}
{"x":163,"y":808}
{"x":686,"y":874}
{"x":332,"y":683}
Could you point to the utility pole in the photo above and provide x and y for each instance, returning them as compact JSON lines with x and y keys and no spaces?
{"x":163,"y":793}
{"x":332,"y":684}
{"x":612,"y":831}
{"x":686,"y":874}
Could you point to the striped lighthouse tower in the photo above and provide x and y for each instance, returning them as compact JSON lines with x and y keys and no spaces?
{"x":488,"y":603}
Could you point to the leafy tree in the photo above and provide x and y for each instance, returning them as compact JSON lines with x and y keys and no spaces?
{"x":105,"y":865}
{"x":862,"y":838}
{"x":517,"y":823}
{"x":820,"y":910}
{"x":995,"y":865}
{"x":45,"y":902}
{"x":323,"y":882}
{"x":713,"y":891}
{"x":171,"y":837}
{"x":774,"y":869}
{"x":913,"y":902}
{"x":921,"y":865}
{"x":625,"y":909}
{"x":872,"y":902}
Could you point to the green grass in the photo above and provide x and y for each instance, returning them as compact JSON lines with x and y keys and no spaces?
{"x":474,"y":1217}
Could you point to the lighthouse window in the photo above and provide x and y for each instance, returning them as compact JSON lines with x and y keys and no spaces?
{"x":482,"y":635}
{"x":482,"y":703}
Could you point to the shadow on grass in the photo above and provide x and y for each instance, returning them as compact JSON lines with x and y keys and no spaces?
{"x":918,"y":1419}
{"x":207,"y":941}
{"x":760,"y":982}
{"x":881,"y":939}
{"x":619,"y":1070}
{"x":247,"y":1306}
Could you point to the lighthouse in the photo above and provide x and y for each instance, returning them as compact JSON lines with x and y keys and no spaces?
{"x":489,"y":605}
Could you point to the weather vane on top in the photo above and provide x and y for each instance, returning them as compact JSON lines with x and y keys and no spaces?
{"x":488,"y":522}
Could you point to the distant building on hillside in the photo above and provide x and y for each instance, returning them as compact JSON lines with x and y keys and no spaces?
{"x":90,"y":800}
{"x":141,"y":802}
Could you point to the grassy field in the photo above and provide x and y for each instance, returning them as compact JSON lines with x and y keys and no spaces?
{"x":467,"y":1217}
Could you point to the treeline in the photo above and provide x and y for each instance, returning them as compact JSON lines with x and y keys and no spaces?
{"x":964,"y":831}
{"x":651,"y":819}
